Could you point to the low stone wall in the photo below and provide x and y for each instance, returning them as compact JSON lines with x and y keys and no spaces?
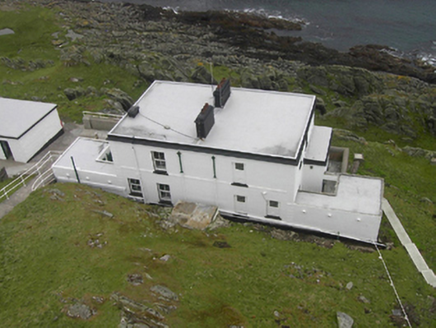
{"x":99,"y":123}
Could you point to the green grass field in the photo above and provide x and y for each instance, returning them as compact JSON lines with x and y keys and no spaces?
{"x":32,"y":41}
{"x":46,"y":265}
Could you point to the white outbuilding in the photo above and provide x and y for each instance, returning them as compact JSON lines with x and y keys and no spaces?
{"x":26,"y":127}
{"x":254,"y":154}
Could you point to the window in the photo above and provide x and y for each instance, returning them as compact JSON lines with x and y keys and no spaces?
{"x":239,"y":166}
{"x":240,"y":199}
{"x":273,"y":203}
{"x":164,"y":193}
{"x":135,"y":187}
{"x":159,"y":161}
{"x":105,"y":154}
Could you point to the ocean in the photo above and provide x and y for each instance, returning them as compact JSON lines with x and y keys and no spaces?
{"x":408,"y":26}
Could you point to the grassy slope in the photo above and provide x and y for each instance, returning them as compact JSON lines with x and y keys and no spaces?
{"x":42,"y":229}
{"x":31,"y":41}
{"x":45,"y":259}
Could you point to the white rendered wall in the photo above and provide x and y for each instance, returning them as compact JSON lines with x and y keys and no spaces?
{"x":265,"y":180}
{"x":30,"y":143}
{"x":106,"y":181}
{"x":313,"y":177}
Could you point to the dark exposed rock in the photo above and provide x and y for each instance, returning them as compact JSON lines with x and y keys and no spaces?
{"x":221,"y":244}
{"x":140,"y":314}
{"x":73,"y":93}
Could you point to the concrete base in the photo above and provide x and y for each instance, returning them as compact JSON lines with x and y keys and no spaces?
{"x":194,"y":216}
{"x":410,"y":247}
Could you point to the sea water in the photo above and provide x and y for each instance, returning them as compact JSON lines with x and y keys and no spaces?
{"x":408,"y":26}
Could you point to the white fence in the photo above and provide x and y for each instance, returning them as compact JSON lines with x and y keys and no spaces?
{"x":41,"y":170}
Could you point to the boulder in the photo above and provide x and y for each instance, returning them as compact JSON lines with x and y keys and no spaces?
{"x":73,"y":93}
{"x":344,"y":320}
{"x":120,"y":96}
{"x":165,"y":293}
{"x":81,"y":311}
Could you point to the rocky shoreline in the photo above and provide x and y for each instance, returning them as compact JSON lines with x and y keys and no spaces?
{"x":158,"y":44}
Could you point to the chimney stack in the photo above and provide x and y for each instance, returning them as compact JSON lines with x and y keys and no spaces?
{"x":204,"y":121}
{"x":222,"y":93}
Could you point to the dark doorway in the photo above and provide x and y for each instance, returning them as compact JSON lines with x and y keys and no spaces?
{"x":6,"y":149}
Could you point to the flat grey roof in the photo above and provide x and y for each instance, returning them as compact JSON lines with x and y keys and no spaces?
{"x":85,"y":153}
{"x":18,"y":116}
{"x":253,"y":121}
{"x":319,"y":143}
{"x":354,"y":194}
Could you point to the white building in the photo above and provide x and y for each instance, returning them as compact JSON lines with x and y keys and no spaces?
{"x":26,"y":127}
{"x":257,"y":155}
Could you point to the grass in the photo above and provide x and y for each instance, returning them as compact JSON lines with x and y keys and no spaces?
{"x":46,"y":264}
{"x":32,"y":41}
{"x":409,"y":182}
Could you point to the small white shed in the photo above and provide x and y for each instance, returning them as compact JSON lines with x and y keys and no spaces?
{"x":26,"y":127}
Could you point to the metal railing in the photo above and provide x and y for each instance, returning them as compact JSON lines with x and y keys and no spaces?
{"x":101,"y":114}
{"x":42,"y":169}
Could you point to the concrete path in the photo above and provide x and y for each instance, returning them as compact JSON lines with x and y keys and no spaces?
{"x":71,"y":132}
{"x":16,"y":198}
{"x":410,"y":247}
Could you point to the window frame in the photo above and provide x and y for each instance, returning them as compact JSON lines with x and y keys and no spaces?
{"x":164,"y":192}
{"x":133,"y":184}
{"x":159,"y":162}
{"x":239,"y":166}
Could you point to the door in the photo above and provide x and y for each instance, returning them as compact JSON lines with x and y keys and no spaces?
{"x":6,"y":149}
{"x":273,"y":209}
{"x":240,"y":204}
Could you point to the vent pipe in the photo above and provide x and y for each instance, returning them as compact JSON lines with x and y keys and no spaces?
{"x":133,"y":111}
{"x":222,"y":93}
{"x":204,"y":121}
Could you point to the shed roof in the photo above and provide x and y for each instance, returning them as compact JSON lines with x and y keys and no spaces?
{"x":18,"y":116}
{"x":252,"y":121}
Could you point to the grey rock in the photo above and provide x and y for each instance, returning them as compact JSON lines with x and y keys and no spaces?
{"x":165,"y":258}
{"x":6,"y":31}
{"x":349,"y":285}
{"x":165,"y":292}
{"x":363,"y":299}
{"x":73,"y":35}
{"x":135,"y":279}
{"x":344,"y":320}
{"x":104,"y":213}
{"x":56,"y":192}
{"x":73,"y":93}
{"x":81,"y":311}
{"x":120,"y":96}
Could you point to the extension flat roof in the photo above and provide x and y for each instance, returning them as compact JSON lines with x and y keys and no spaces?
{"x":318,"y":144}
{"x":252,"y":121}
{"x":85,"y":153}
{"x":18,"y":116}
{"x":357,"y":194}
